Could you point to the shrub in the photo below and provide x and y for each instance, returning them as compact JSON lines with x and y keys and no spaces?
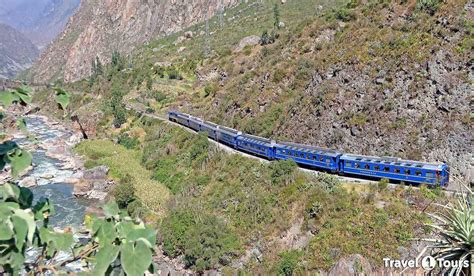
{"x":282,"y":171}
{"x":160,"y":71}
{"x":210,"y":90}
{"x":173,"y":74}
{"x":266,"y":38}
{"x":199,"y":149}
{"x":278,"y":75}
{"x":204,"y":240}
{"x":159,"y":96}
{"x":128,"y":141}
{"x":288,"y":262}
{"x":136,"y":208}
{"x":344,"y":15}
{"x":428,"y":6}
{"x":329,"y":182}
{"x":383,"y":184}
{"x":120,"y":116}
{"x":149,"y":82}
{"x":124,"y":192}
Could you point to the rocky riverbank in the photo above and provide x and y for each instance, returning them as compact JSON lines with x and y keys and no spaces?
{"x":57,"y":172}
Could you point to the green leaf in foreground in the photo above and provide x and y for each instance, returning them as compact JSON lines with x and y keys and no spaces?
{"x":136,"y":259}
{"x":62,"y":98}
{"x":111,"y":209}
{"x":21,"y":123}
{"x":106,"y":256}
{"x":19,"y":160}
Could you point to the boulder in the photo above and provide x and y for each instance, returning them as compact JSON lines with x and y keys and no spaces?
{"x":354,"y":264}
{"x":28,"y":181}
{"x":82,"y":188}
{"x":247,"y":41}
{"x":188,"y":34}
{"x":47,"y":176}
{"x":99,"y":172}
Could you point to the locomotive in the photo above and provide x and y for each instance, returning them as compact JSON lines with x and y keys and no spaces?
{"x":332,"y":161}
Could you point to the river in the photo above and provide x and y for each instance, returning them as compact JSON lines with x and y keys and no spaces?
{"x":51,"y":174}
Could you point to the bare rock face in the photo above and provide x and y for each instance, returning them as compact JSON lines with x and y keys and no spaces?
{"x":100,"y":27}
{"x":17,"y":52}
{"x":351,"y":265}
{"x":247,"y":41}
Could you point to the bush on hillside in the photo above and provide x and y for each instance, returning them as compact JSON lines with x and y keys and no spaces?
{"x":288,"y":263}
{"x":204,"y":240}
{"x":174,"y":74}
{"x":428,"y":6}
{"x":282,"y":171}
{"x":124,"y":192}
{"x":128,"y":141}
{"x":266,"y":38}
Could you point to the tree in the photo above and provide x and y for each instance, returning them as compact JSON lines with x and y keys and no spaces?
{"x":98,"y":67}
{"x":276,"y":16}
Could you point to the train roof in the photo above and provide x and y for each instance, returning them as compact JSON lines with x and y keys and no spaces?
{"x":255,"y":139}
{"x":211,"y":124}
{"x":309,"y":149}
{"x":229,"y":130}
{"x":393,"y":161}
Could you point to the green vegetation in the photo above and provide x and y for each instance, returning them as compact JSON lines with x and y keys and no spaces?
{"x":429,"y":6}
{"x":454,"y":226}
{"x":288,"y":263}
{"x":226,"y":201}
{"x":125,"y":163}
{"x":204,"y":240}
{"x":114,"y":239}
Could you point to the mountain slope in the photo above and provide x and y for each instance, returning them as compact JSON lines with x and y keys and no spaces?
{"x":17,"y":53}
{"x":377,"y":79}
{"x":40,"y":20}
{"x":101,"y":27}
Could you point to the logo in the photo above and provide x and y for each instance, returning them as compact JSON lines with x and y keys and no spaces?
{"x":428,"y":263}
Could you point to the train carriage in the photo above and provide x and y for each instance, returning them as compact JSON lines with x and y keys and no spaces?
{"x":256,"y":145}
{"x":315,"y":157}
{"x":210,"y":129}
{"x":178,"y":117}
{"x":395,"y":169}
{"x":194,"y":123}
{"x":228,"y":136}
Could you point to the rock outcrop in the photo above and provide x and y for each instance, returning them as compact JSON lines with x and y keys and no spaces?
{"x":101,"y":27}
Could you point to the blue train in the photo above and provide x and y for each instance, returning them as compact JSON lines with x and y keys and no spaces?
{"x":323,"y":159}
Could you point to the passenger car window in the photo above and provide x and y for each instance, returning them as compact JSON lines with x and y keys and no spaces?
{"x":357,"y":165}
{"x":407,"y":172}
{"x":386,"y":169}
{"x":418,"y":173}
{"x":397,"y":170}
{"x":377,"y":168}
{"x":366,"y":166}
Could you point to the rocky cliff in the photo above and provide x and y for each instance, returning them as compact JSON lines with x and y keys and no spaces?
{"x":17,"y":53}
{"x":101,"y":27}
